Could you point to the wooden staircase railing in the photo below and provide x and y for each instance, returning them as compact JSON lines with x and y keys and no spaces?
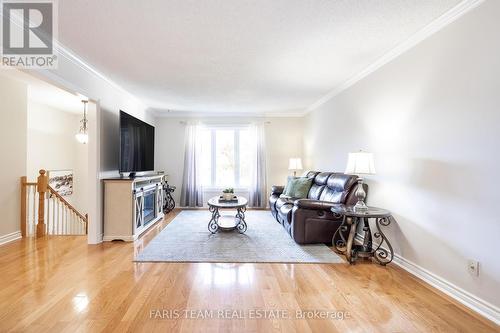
{"x":44,"y":211}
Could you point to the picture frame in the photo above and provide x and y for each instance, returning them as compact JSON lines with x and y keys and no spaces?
{"x":61,"y":181}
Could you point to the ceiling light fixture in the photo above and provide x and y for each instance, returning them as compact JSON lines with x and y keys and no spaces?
{"x":82,"y":135}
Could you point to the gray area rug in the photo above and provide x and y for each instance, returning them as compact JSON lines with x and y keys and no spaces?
{"x":187,"y":239}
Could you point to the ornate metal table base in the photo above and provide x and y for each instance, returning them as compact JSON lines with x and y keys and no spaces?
{"x":372,"y":246}
{"x":240,"y":224}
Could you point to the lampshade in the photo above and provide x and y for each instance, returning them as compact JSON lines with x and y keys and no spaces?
{"x":295,"y":164}
{"x":82,"y":137}
{"x":360,"y":163}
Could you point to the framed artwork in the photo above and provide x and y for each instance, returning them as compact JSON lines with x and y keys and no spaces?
{"x":61,"y":181}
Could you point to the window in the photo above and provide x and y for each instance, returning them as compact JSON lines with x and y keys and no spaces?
{"x":226,"y":153}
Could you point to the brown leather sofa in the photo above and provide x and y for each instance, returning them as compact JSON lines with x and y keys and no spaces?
{"x":310,"y":220}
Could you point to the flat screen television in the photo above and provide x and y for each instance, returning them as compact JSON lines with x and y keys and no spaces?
{"x":137,"y":145}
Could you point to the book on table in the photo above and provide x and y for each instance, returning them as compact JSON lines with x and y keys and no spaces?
{"x":234,"y":199}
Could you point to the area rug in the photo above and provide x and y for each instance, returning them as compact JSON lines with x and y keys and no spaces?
{"x":187,"y":239}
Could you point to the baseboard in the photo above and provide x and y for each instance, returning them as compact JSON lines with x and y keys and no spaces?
{"x":474,"y":303}
{"x":471,"y":301}
{"x":10,"y":237}
{"x":122,"y":238}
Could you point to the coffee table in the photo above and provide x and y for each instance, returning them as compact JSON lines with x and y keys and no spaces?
{"x":237,"y":223}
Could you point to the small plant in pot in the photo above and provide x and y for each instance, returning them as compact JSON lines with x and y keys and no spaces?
{"x":228,"y":193}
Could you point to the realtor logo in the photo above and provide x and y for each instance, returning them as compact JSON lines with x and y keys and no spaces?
{"x":28,"y":29}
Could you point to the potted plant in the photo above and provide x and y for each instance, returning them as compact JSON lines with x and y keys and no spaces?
{"x":228,"y":193}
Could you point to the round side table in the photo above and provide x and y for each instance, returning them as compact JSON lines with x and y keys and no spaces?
{"x":372,"y":245}
{"x":214,"y":205}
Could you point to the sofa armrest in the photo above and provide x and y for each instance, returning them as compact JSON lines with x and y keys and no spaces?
{"x":314,"y":204}
{"x":277,"y":190}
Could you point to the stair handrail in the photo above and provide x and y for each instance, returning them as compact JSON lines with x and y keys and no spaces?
{"x":42,"y":187}
{"x":84,"y":218}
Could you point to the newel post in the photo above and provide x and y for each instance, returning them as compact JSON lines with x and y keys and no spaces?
{"x":41,"y":187}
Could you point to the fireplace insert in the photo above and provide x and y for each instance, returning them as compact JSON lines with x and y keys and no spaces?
{"x":149,"y":209}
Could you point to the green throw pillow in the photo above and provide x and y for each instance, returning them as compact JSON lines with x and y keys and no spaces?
{"x":298,"y":187}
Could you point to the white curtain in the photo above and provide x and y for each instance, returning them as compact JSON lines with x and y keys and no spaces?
{"x":257,"y":191}
{"x":191,"y":191}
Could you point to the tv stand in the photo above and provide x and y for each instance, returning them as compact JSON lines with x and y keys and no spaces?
{"x":132,"y":206}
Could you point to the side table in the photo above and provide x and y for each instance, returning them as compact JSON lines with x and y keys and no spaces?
{"x":351,"y":219}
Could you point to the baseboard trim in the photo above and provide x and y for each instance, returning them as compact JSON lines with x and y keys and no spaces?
{"x":119,"y":238}
{"x":10,"y":237}
{"x":476,"y":304}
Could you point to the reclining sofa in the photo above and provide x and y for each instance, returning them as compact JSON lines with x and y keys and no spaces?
{"x":310,"y":220}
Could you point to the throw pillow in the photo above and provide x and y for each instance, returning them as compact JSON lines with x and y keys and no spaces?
{"x":286,"y":185}
{"x":298,"y":187}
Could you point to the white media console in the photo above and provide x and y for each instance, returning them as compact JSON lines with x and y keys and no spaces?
{"x":131,"y":206}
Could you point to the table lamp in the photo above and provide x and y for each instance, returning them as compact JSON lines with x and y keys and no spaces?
{"x":295,"y":164}
{"x":360,"y":163}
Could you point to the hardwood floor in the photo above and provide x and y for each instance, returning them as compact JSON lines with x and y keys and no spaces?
{"x":62,"y":284}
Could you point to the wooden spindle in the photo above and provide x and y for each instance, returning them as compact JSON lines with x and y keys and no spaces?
{"x":23,"y":206}
{"x":56,"y":214}
{"x":58,"y":217}
{"x":47,"y":212}
{"x":42,"y":183}
{"x":64,"y":214}
{"x":53,"y":217}
{"x":33,"y":213}
{"x":66,"y":230}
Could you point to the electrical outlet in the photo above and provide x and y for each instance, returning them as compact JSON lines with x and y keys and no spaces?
{"x":473,"y":267}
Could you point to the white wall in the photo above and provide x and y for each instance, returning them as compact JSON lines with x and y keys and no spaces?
{"x":75,"y":76}
{"x":432,"y":119}
{"x":52,"y":146}
{"x":13,"y":147}
{"x":283,"y":140}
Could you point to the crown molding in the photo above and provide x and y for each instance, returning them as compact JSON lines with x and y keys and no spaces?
{"x":298,"y":114}
{"x":64,"y":52}
{"x":424,"y":33}
{"x":189,"y":114}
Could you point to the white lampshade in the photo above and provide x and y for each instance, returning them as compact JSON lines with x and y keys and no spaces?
{"x":360,"y":163}
{"x":295,"y":164}
{"x":82,"y":137}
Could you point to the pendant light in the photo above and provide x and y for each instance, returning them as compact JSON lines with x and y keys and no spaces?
{"x":82,"y":136}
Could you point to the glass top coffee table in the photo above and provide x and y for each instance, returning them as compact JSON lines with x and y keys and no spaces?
{"x":227,"y":222}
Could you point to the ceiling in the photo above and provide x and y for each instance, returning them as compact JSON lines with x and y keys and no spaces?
{"x":249,"y":57}
{"x":47,"y":94}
